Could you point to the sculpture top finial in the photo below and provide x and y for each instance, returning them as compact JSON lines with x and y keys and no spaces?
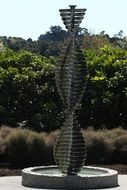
{"x":72,"y":17}
{"x":72,"y":6}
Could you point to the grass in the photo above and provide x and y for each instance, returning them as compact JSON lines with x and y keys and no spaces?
{"x":23,"y":148}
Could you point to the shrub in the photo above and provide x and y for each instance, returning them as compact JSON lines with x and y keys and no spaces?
{"x":99,"y":147}
{"x":29,"y":99}
{"x":120,"y":151}
{"x":28,"y":96}
{"x":49,"y":139}
{"x":104,"y":102}
{"x":25,"y":148}
{"x":36,"y":149}
{"x":4,"y":132}
{"x":17,"y":149}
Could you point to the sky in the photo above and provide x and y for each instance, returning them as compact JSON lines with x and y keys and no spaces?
{"x":31,"y":18}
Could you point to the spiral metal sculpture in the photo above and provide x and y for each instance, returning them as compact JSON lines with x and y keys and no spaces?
{"x":69,"y":149}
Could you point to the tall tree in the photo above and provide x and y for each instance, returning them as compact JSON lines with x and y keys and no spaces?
{"x":56,"y":33}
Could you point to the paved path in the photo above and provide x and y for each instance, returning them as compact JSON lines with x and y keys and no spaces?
{"x":14,"y":183}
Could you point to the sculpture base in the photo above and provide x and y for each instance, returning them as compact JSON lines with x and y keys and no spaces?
{"x":49,"y":177}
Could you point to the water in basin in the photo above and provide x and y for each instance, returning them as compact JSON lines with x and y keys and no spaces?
{"x":56,"y":172}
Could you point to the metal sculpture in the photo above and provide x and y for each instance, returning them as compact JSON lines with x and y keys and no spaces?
{"x":69,"y":149}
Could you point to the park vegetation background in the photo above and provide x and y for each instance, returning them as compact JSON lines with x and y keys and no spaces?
{"x":31,"y":112}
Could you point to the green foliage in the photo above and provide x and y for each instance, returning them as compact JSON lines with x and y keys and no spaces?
{"x":27,"y":91}
{"x":48,"y":44}
{"x":29,"y":98}
{"x":105,"y":100}
{"x":28,"y":95}
{"x":55,"y":34}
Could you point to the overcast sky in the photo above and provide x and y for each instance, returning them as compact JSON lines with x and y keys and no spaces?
{"x":30,"y":18}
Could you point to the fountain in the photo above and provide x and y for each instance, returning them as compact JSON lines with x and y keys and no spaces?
{"x":70,"y":150}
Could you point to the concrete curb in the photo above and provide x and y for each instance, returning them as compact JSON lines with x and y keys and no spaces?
{"x":14,"y":183}
{"x":31,"y":177}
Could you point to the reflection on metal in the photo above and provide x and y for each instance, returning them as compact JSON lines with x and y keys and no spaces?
{"x":71,"y":72}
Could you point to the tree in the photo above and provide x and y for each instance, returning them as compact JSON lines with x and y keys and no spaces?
{"x":55,"y":34}
{"x":119,"y":40}
{"x":2,"y":48}
{"x":49,"y":43}
{"x":92,"y":41}
{"x":105,"y":100}
{"x":28,"y":96}
{"x":15,"y":43}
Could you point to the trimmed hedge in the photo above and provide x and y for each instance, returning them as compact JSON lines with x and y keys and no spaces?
{"x":29,"y":98}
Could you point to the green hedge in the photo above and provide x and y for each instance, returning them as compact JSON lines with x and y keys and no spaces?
{"x":104,"y":104}
{"x":27,"y":91}
{"x":29,"y":98}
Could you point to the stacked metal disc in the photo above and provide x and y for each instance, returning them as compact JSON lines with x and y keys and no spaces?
{"x":69,"y":149}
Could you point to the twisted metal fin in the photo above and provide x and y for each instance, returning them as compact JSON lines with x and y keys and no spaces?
{"x":70,"y":149}
{"x":70,"y":74}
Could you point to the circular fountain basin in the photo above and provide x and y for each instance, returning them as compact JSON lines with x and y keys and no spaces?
{"x":50,"y":177}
